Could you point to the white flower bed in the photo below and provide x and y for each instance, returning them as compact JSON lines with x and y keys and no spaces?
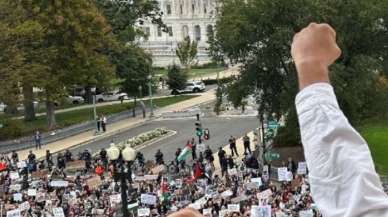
{"x":144,"y":137}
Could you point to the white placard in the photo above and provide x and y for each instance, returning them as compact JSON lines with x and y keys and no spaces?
{"x":133,"y":205}
{"x":201,"y":147}
{"x":24,"y":206}
{"x":58,"y":212}
{"x":31,"y":192}
{"x":289,"y":177}
{"x":151,"y":177}
{"x":14,"y":213}
{"x":21,"y":164}
{"x":234,"y":207}
{"x":265,"y":194}
{"x":232,"y":172}
{"x":282,"y":174}
{"x":115,"y":199}
{"x":257,"y":180}
{"x":143,"y":212}
{"x":17,"y":197}
{"x":14,"y":175}
{"x":195,"y":206}
{"x":148,"y":199}
{"x":59,"y":183}
{"x":261,"y":211}
{"x":302,"y":168}
{"x":15,"y":187}
{"x":227,"y":193}
{"x":306,"y":213}
{"x":207,"y":212}
{"x":223,"y":213}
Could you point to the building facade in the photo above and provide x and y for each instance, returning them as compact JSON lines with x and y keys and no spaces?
{"x":193,"y":18}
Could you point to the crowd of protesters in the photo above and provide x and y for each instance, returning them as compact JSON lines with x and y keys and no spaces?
{"x":92,"y":189}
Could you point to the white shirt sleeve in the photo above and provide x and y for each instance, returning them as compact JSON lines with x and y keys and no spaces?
{"x":343,"y":179}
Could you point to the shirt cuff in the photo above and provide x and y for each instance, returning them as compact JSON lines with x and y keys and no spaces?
{"x":315,"y":94}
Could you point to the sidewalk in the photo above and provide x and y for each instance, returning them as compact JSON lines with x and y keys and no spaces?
{"x":114,"y":128}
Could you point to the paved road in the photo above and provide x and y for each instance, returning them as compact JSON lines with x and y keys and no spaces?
{"x":220,"y":130}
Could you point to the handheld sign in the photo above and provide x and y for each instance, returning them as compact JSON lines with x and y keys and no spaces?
{"x":143,"y":212}
{"x":234,"y":207}
{"x":302,"y":168}
{"x":148,"y":199}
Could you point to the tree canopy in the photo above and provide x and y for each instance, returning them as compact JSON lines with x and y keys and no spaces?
{"x":258,"y":34}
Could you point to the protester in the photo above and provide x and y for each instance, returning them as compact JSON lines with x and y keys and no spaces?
{"x":38,"y":140}
{"x":247,"y":144}
{"x":232,"y":145}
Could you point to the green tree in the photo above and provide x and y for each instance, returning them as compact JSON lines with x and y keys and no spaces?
{"x":187,"y":52}
{"x":258,"y":34}
{"x":176,"y":78}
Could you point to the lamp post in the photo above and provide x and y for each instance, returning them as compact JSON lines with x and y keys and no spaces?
{"x":122,"y":169}
{"x":150,"y":93}
{"x":93,"y":90}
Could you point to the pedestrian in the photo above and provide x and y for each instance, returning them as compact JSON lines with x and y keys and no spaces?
{"x":206,"y":134}
{"x":193,"y":149}
{"x":231,"y":164}
{"x":232,"y":146}
{"x":221,"y":154}
{"x":209,"y":156}
{"x":38,"y":140}
{"x":68,"y":156}
{"x":49,"y":159}
{"x":14,"y":157}
{"x":99,"y":124}
{"x":103,"y":122}
{"x":247,"y":144}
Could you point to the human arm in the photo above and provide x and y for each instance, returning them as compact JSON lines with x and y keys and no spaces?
{"x":342,"y":174}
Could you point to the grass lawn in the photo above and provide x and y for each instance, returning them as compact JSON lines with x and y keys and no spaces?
{"x":78,"y":116}
{"x":195,"y":72}
{"x":376,"y":134}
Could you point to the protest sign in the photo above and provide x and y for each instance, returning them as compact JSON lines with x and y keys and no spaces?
{"x":158,"y":169}
{"x":227,"y":193}
{"x":261,"y":211}
{"x":151,"y":177}
{"x":252,"y":185}
{"x":21,"y":164}
{"x":94,"y":182}
{"x":195,"y":206}
{"x":234,"y":207}
{"x":14,"y":175}
{"x":14,"y":213}
{"x":15,"y":187}
{"x":115,"y":199}
{"x":289,"y":176}
{"x":302,"y":168}
{"x":201,"y":147}
{"x":223,"y":213}
{"x":24,"y":206}
{"x":257,"y":180}
{"x":232,"y":172}
{"x":133,"y":205}
{"x":139,"y":178}
{"x":306,"y":213}
{"x":75,"y":165}
{"x":282,"y":174}
{"x":59,"y":183}
{"x":39,"y":174}
{"x":148,"y":199}
{"x":265,"y":175}
{"x":143,"y":212}
{"x":207,"y":212}
{"x":240,"y":199}
{"x":58,"y":212}
{"x":40,"y":196}
{"x":17,"y":197}
{"x":265,"y":194}
{"x":31,"y":192}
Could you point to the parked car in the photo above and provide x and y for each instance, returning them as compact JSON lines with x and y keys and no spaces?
{"x":75,"y":100}
{"x":111,"y":96}
{"x":190,"y":87}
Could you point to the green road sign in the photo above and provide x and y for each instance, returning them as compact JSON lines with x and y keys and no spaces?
{"x":273,"y":125}
{"x":271,"y":156}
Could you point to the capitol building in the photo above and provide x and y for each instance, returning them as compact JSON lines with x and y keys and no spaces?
{"x":193,"y":18}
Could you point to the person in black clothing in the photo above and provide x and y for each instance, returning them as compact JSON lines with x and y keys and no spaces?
{"x":247,"y":144}
{"x":230,"y":162}
{"x":103,"y":156}
{"x":14,"y":156}
{"x":159,"y":157}
{"x":177,"y":153}
{"x":209,"y":156}
{"x":87,"y":157}
{"x":68,"y":156}
{"x":61,"y":164}
{"x":232,"y":145}
{"x":221,"y":154}
{"x":140,"y":158}
{"x":193,"y":149}
{"x":31,"y":162}
{"x":224,"y":166}
{"x":291,"y":166}
{"x":49,"y":159}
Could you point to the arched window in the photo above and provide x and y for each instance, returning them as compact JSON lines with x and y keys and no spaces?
{"x":197,"y":33}
{"x":185,"y":31}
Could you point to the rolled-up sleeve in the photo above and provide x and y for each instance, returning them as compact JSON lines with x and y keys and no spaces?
{"x":343,"y":179}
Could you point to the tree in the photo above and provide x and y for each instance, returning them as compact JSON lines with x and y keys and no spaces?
{"x":258,"y":34}
{"x":176,"y":78}
{"x":187,"y":53}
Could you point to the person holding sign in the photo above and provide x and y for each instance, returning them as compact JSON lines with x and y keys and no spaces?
{"x":343,"y":179}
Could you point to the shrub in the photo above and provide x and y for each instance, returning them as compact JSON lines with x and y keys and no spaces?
{"x":12,"y":128}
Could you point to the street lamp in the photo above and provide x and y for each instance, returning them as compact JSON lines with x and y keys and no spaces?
{"x":122,"y":169}
{"x":93,"y":90}
{"x":150,"y":93}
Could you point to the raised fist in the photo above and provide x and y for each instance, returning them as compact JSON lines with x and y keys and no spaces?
{"x":315,"y":44}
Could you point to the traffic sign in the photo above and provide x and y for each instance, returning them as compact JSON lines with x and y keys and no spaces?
{"x":271,"y":156}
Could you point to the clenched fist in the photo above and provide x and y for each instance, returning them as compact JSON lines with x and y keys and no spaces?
{"x":314,"y":49}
